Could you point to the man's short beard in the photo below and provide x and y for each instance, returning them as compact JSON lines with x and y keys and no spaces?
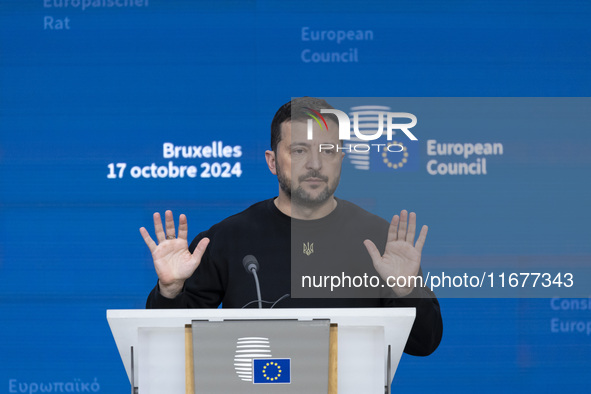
{"x":300,"y":196}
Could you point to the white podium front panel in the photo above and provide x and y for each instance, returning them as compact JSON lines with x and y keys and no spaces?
{"x":158,"y":339}
{"x":160,"y":360}
{"x":360,"y":371}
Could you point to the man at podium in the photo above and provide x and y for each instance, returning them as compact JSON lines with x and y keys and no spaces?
{"x":299,"y":244}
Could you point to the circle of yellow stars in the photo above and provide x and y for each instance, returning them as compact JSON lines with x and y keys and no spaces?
{"x":402,"y":162}
{"x":278,"y":371}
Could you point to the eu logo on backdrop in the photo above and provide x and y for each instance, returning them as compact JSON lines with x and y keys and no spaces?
{"x":275,"y":370}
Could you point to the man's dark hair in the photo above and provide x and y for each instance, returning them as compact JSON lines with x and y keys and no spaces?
{"x":294,"y":110}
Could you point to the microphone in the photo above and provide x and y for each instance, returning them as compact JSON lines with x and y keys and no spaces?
{"x":250,"y":262}
{"x":251,"y":265}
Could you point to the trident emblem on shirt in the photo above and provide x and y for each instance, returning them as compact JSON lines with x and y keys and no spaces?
{"x":308,"y":248}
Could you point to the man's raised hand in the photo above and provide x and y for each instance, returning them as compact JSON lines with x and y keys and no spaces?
{"x":402,"y":257}
{"x":172,"y":260}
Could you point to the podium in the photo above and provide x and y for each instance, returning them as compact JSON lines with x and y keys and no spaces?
{"x":151,"y":343}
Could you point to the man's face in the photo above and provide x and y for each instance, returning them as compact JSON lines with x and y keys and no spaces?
{"x":306,"y":174}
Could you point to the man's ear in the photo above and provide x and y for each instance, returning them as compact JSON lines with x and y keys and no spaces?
{"x":270,"y":158}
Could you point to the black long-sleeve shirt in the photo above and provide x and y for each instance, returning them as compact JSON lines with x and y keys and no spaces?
{"x":288,"y":249}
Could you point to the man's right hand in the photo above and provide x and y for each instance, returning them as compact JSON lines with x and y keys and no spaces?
{"x":173,"y":262}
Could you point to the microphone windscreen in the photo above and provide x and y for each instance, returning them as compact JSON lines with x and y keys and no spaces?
{"x":249,"y":262}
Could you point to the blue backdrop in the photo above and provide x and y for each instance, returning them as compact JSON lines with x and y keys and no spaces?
{"x":90,"y":91}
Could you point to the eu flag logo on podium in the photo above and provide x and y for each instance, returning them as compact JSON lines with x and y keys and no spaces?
{"x":271,"y":370}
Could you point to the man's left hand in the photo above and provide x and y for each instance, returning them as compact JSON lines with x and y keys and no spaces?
{"x":402,"y":257}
